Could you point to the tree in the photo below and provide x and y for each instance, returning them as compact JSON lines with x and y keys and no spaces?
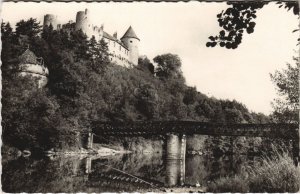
{"x":27,"y":112}
{"x":286,"y":107}
{"x":10,"y":51}
{"x":31,"y":28}
{"x":240,"y":18}
{"x":78,"y":43}
{"x":168,"y":66}
{"x":146,"y":96}
{"x":233,"y":116}
{"x":98,"y":52}
{"x":47,"y":33}
{"x":103,"y":52}
{"x":190,"y":95}
{"x":6,"y":30}
{"x":145,"y":64}
{"x":93,"y":47}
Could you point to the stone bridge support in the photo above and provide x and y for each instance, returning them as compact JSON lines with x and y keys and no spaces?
{"x":175,"y":159}
{"x":88,"y":165}
{"x":88,"y":140}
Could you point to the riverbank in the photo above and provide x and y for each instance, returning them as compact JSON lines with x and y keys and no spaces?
{"x":97,"y":150}
{"x":11,"y":153}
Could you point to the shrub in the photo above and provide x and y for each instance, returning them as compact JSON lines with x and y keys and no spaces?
{"x":236,"y":184}
{"x":276,"y":173}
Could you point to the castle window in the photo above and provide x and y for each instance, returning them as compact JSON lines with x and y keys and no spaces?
{"x":114,"y":44}
{"x":131,"y":41}
{"x":120,"y":48}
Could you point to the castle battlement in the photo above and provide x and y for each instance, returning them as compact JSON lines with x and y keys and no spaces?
{"x":122,"y":51}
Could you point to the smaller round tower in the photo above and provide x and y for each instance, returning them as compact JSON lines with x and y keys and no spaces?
{"x":50,"y":19}
{"x":33,"y":66}
{"x":131,"y":41}
{"x":82,"y":21}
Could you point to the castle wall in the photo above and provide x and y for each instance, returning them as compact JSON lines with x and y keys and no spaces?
{"x":118,"y":53}
{"x":95,"y":31}
{"x":69,"y":27}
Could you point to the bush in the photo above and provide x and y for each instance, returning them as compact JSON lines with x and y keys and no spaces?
{"x":276,"y":174}
{"x":236,"y":184}
{"x":273,"y":174}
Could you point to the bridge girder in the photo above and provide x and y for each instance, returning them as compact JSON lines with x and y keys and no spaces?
{"x":283,"y":131}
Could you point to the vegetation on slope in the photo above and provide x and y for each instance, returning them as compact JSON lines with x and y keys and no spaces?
{"x":84,"y":86}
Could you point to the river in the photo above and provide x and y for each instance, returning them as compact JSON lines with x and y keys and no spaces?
{"x":115,"y":173}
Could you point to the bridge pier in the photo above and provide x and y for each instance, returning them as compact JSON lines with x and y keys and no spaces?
{"x":175,"y":159}
{"x":90,"y":140}
{"x":87,"y":140}
{"x":182,"y":161}
{"x":87,"y":165}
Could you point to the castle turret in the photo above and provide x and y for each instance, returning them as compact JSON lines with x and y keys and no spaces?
{"x":50,"y":19}
{"x":82,"y":21}
{"x":131,"y":41}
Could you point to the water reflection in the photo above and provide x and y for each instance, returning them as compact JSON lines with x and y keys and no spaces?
{"x":174,"y":175}
{"x":116,"y":173}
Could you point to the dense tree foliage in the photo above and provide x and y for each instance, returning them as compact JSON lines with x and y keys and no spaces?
{"x":30,"y":28}
{"x":286,"y":107}
{"x":83,"y":87}
{"x":145,"y":64}
{"x":240,"y":18}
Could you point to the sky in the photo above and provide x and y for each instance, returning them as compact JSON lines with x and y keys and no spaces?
{"x":183,"y":29}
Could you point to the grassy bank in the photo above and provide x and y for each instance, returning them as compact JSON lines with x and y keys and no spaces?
{"x":276,"y":173}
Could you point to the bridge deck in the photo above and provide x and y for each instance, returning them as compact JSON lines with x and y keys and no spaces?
{"x":284,"y":131}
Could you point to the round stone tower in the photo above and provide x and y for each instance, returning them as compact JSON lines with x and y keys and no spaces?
{"x":82,"y":21}
{"x":131,"y":41}
{"x":32,"y":65}
{"x":50,"y":19}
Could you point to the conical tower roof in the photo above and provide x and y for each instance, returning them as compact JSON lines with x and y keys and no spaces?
{"x":130,"y":34}
{"x":28,"y":57}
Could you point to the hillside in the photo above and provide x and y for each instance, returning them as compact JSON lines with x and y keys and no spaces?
{"x":83,"y":86}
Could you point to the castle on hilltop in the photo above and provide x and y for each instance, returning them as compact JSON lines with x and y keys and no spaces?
{"x":123,"y":51}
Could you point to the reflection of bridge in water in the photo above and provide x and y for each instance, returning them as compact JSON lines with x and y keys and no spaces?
{"x":174,"y":169}
{"x":175,"y":137}
{"x":108,"y":176}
